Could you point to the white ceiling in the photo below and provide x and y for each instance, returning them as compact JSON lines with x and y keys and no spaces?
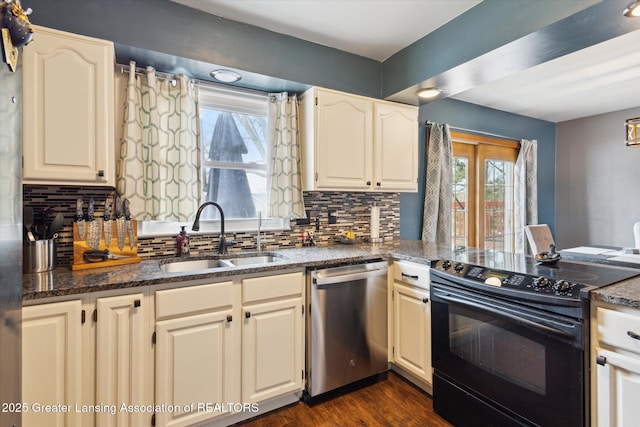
{"x":596,"y":80}
{"x":600,"y":79}
{"x":371,"y":28}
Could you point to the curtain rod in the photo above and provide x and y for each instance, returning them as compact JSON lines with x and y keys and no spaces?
{"x":122,"y":68}
{"x":429,"y":123}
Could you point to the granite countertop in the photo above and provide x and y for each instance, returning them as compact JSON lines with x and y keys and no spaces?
{"x":625,"y":293}
{"x":62,"y":281}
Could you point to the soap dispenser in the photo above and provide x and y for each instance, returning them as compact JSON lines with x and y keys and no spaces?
{"x":182,"y":243}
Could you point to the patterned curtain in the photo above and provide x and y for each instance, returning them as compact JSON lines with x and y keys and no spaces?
{"x":159,"y":164}
{"x":525,"y":192}
{"x":436,"y":222}
{"x":285,"y":180}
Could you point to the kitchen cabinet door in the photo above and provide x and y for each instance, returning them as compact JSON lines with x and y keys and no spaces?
{"x":123,"y":356}
{"x":195,"y":363}
{"x":412,"y":330}
{"x":395,"y":147}
{"x":617,"y":389}
{"x":68,"y":124}
{"x":340,"y":133}
{"x":354,"y":143}
{"x":273,"y":349}
{"x":52,"y":362}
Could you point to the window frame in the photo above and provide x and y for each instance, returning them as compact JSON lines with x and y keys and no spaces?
{"x":477,"y":148}
{"x":235,"y":100}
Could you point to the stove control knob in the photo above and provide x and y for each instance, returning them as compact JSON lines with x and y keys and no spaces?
{"x":458,"y":267}
{"x":562,"y":286}
{"x":541,"y":282}
{"x":446,"y":264}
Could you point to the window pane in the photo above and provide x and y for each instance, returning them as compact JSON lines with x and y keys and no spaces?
{"x":498,"y":205}
{"x":460,"y":214}
{"x":234,"y":160}
{"x":233,"y":137}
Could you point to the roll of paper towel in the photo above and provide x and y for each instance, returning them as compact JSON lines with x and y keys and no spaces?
{"x":374,"y":225}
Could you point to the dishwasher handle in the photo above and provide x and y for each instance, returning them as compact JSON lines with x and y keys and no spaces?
{"x":349,"y":277}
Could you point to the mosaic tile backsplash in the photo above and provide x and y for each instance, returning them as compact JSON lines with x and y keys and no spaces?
{"x":351,"y":210}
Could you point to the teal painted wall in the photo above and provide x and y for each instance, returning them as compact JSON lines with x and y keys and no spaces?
{"x":185,"y":36}
{"x":470,"y":116}
{"x":164,"y":27}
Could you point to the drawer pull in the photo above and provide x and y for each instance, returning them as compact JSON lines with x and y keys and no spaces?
{"x":601,"y":360}
{"x":410,"y":276}
{"x":229,"y":318}
{"x":247,"y":314}
{"x":425,"y":300}
{"x":633,"y":335}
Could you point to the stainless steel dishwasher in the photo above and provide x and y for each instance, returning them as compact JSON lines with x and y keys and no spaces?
{"x":347,"y":325}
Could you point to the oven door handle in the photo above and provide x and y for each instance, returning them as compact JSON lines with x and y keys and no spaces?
{"x":527,"y":322}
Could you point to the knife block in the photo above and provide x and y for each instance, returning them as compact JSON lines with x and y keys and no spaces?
{"x":80,"y":247}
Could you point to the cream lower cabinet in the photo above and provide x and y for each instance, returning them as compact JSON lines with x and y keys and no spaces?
{"x":197,"y":353}
{"x":52,"y":363}
{"x":93,"y":356}
{"x":272,"y":336}
{"x":411,"y":343}
{"x":123,"y":352}
{"x":615,"y":366}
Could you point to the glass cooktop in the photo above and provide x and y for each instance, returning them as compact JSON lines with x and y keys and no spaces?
{"x":587,"y":274}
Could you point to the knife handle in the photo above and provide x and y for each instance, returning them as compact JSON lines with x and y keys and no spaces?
{"x":79,"y":214}
{"x":91,"y":210}
{"x":107,"y":210}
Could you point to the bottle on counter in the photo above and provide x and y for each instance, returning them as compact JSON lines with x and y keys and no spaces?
{"x":182,"y":243}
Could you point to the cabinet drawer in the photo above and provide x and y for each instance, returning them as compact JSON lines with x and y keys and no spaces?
{"x":411,"y":273}
{"x":616,"y":328}
{"x":278,"y":286}
{"x":201,"y":298}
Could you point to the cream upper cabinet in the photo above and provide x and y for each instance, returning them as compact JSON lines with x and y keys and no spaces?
{"x":354,"y":143}
{"x":615,"y":366}
{"x":52,"y":363}
{"x":395,"y":147}
{"x":68,"y":112}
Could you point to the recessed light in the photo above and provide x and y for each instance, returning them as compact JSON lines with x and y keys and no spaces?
{"x":226,"y":76}
{"x":429,"y":93}
{"x":633,"y":10}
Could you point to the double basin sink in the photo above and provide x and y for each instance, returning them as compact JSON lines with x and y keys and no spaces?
{"x":180,"y":265}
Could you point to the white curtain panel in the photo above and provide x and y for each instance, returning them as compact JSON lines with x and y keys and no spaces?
{"x":285,"y":180}
{"x":525,"y":192}
{"x":436,"y":222}
{"x":159,"y":164}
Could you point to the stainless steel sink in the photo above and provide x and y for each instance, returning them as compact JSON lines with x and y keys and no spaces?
{"x":182,"y":265}
{"x":258,"y":259}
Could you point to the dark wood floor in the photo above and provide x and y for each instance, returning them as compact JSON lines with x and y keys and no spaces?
{"x":390,"y":402}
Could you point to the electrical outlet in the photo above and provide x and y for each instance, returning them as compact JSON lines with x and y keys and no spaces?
{"x":333,"y":218}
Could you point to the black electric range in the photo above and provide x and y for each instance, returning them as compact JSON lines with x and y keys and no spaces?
{"x":521,"y":278}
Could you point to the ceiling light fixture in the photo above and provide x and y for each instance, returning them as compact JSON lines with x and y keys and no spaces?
{"x":632,"y":127}
{"x":226,"y":76}
{"x":429,"y":93}
{"x":633,"y":10}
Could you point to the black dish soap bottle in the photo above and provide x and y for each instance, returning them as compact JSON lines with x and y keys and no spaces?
{"x":182,"y":243}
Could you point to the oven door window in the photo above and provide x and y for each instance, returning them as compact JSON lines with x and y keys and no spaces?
{"x":528,"y":372}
